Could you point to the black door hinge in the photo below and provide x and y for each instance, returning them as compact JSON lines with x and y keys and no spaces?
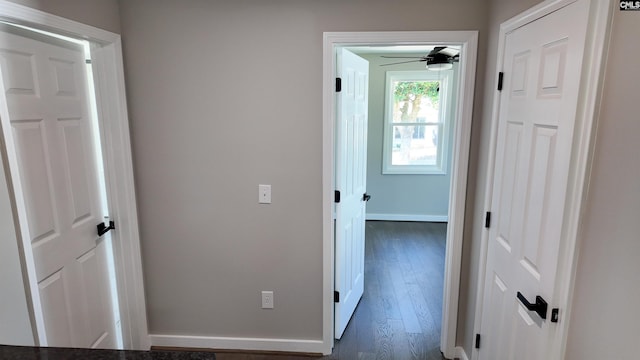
{"x":103,"y":228}
{"x":336,"y":296}
{"x":338,"y":84}
{"x":500,"y":80}
{"x":477,"y":341}
{"x":336,"y":196}
{"x":487,"y":220}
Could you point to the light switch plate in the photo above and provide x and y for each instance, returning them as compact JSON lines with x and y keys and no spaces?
{"x":264,"y":194}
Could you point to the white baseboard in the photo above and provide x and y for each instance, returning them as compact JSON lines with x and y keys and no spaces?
{"x":230,"y":343}
{"x":460,"y":354}
{"x":408,"y":217}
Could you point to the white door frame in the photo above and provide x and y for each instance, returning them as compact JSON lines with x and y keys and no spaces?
{"x":598,"y":33}
{"x":468,"y":40}
{"x":114,"y":124}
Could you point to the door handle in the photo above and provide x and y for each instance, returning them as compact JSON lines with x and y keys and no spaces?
{"x":539,"y":307}
{"x":103,"y":228}
{"x":366,"y":197}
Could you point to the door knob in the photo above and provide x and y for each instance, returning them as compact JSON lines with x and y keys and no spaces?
{"x":366,"y":197}
{"x":540,"y":307}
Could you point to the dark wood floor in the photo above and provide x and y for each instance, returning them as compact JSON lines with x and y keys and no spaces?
{"x":400,"y":313}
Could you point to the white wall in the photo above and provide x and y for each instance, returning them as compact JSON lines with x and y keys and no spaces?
{"x":415,"y":195}
{"x":15,"y":323}
{"x":605,"y":323}
{"x":223,"y":96}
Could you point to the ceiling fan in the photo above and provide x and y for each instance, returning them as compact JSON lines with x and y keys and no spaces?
{"x":440,"y":58}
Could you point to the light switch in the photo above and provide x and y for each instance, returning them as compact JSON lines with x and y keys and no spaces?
{"x":264,"y":194}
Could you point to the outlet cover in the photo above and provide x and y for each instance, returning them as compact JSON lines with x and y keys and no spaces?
{"x":267,"y":299}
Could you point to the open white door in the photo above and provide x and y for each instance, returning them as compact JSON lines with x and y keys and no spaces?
{"x":55,"y":181}
{"x":351,"y":182}
{"x":538,"y":107}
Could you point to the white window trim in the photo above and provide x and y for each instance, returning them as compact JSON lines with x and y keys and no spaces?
{"x":446,"y":86}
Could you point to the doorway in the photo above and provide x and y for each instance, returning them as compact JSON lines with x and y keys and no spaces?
{"x":407,"y":170}
{"x":111,"y":106}
{"x":467,"y":42}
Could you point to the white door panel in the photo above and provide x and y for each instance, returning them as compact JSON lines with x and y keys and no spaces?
{"x":56,"y":309}
{"x":351,"y":163}
{"x":542,"y":69}
{"x":47,"y":97}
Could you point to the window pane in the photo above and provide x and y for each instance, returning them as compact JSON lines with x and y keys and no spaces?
{"x":416,"y":101}
{"x":415,"y":145}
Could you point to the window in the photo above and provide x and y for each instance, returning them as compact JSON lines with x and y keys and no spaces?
{"x":416,"y":127}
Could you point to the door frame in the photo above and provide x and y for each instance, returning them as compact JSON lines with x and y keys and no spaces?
{"x":108,"y":73}
{"x":598,"y":33}
{"x":468,"y":40}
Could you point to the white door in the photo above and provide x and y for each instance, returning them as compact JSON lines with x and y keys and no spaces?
{"x":542,"y":67}
{"x":351,"y":181}
{"x":48,"y":127}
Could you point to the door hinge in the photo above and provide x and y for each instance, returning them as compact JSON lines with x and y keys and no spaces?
{"x":338,"y":84}
{"x":487,"y":220}
{"x":500,"y":80}
{"x":477,"y":341}
{"x":336,"y":296}
{"x":336,"y":196}
{"x":103,"y":228}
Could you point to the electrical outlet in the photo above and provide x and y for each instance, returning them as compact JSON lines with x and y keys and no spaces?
{"x":267,"y":299}
{"x":264,"y":194}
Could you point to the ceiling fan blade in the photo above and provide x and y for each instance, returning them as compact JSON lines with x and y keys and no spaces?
{"x":402,"y":62}
{"x":436,"y":50}
{"x":450,"y":51}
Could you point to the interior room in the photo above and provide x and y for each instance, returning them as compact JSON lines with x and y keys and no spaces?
{"x":199,"y":103}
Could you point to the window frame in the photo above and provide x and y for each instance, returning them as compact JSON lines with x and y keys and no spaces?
{"x":444,"y":123}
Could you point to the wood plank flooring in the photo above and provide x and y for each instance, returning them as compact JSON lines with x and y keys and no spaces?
{"x":399,"y":315}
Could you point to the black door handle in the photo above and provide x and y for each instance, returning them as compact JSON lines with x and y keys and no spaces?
{"x":539,"y":307}
{"x":103,"y":228}
{"x":366,"y":197}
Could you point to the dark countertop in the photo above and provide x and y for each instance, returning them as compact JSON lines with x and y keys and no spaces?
{"x":45,"y":353}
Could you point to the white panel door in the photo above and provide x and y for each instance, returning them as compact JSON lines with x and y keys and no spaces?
{"x":351,"y":181}
{"x":542,"y":67}
{"x":46,"y":91}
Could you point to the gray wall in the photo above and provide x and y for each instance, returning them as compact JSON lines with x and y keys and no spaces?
{"x":393,"y":193}
{"x":606,"y":321}
{"x":99,"y":13}
{"x":224,"y":96}
{"x":15,"y":324}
